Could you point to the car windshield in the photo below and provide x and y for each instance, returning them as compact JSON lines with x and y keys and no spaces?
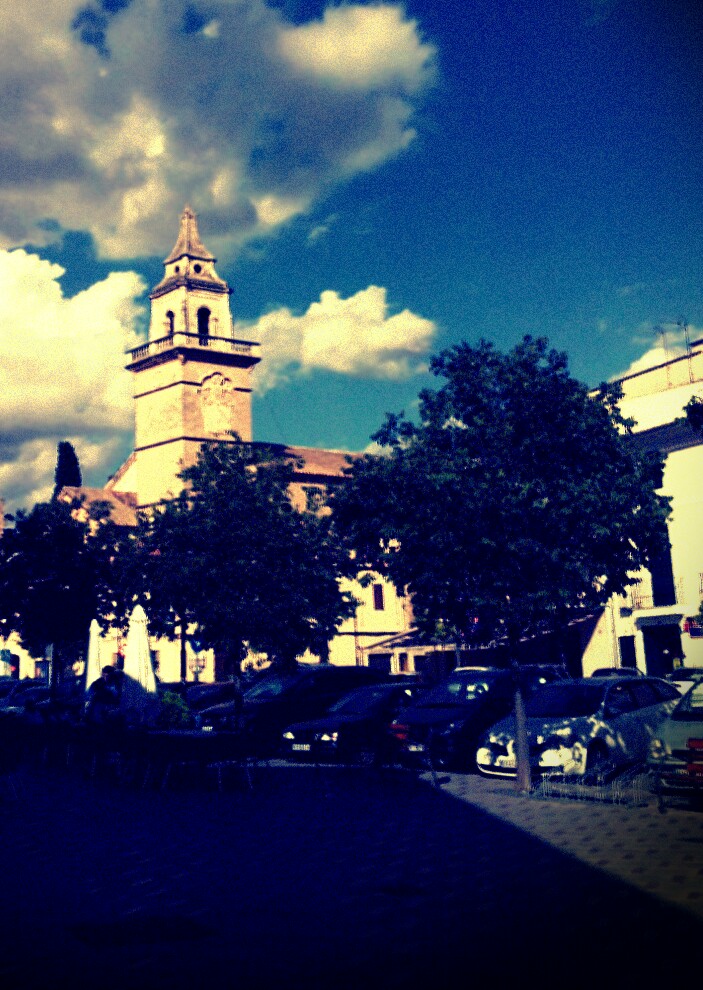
{"x":565,"y":699}
{"x":362,"y":699}
{"x":271,"y":686}
{"x":460,"y":688}
{"x":690,"y":708}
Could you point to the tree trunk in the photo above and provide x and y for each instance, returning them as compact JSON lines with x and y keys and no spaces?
{"x":523,"y":777}
{"x":184,"y":660}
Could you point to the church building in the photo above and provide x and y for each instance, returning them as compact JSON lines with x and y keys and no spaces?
{"x":192,"y":382}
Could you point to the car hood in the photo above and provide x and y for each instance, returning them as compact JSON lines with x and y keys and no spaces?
{"x":583,"y":727}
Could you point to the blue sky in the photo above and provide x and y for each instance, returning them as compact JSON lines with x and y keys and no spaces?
{"x":378,"y":181}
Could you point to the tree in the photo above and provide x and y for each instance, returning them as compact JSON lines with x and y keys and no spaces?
{"x":48,"y":582}
{"x":68,"y":471}
{"x":694,"y":413}
{"x":235,"y":557}
{"x":515,"y":504}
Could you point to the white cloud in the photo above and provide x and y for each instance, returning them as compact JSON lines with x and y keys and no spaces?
{"x":360,"y":47}
{"x":669,"y":344}
{"x":249,"y":117}
{"x":354,"y":336}
{"x":61,"y":372}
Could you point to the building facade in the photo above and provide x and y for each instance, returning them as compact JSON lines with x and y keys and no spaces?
{"x":654,"y":627}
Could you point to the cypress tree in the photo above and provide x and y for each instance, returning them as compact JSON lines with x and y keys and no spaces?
{"x":68,"y":470}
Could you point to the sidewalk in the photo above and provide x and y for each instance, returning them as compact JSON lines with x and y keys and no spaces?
{"x":659,"y":853}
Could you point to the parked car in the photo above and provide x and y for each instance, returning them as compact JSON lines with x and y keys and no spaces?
{"x":201,"y":694}
{"x":7,"y":685}
{"x":279,"y":698}
{"x":583,"y":725}
{"x":11,"y":697}
{"x":685,"y":677}
{"x":443,"y":727}
{"x":355,"y":728}
{"x":676,"y":750}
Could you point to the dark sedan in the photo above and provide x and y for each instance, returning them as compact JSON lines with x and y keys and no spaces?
{"x":355,"y":728}
{"x":442,"y":729}
{"x":282,"y":697}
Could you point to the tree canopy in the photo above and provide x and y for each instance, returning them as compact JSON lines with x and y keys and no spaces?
{"x":48,"y":580}
{"x":516,"y":502}
{"x":233,"y":555}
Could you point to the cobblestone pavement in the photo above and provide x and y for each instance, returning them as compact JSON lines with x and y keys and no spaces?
{"x":338,"y":879}
{"x":657,"y":851}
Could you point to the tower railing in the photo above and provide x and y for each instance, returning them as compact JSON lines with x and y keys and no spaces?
{"x":229,"y":345}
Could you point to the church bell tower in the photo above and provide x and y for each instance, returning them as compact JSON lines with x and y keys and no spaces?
{"x":192,"y":378}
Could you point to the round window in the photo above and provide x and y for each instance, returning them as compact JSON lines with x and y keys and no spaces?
{"x":177,"y":269}
{"x":197,"y":269}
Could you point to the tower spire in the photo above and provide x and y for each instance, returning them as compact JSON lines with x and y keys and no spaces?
{"x":188,"y":243}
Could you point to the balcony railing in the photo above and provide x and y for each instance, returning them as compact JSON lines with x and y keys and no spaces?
{"x":229,"y":345}
{"x":641,"y":596}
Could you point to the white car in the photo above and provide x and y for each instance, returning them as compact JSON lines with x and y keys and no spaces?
{"x":575,"y":727}
{"x":676,"y":751}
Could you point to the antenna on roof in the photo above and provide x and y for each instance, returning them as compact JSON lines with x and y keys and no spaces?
{"x":665,"y":347}
{"x":683,"y":323}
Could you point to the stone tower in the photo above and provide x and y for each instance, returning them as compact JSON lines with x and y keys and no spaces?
{"x":192,"y":379}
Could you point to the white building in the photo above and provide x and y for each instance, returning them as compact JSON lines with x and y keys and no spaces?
{"x":654,"y":626}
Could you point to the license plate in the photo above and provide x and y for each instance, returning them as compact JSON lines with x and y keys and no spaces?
{"x":301,"y":747}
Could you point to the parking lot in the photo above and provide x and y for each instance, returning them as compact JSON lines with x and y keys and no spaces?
{"x":322,"y":877}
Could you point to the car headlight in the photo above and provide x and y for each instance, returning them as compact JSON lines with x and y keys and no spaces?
{"x":328,"y":737}
{"x":289,"y":736}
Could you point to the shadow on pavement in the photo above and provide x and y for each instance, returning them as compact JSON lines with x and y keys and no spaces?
{"x":312,"y":880}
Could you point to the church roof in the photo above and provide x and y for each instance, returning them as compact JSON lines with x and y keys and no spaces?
{"x":122,"y":507}
{"x":322,"y":463}
{"x":189,"y":243}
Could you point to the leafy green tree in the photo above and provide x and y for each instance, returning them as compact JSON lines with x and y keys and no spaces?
{"x":514,"y":505}
{"x":68,"y":470}
{"x":694,"y":413}
{"x":235,"y":557}
{"x":48,"y":582}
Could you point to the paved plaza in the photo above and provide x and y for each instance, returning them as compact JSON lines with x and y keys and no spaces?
{"x":323,"y":878}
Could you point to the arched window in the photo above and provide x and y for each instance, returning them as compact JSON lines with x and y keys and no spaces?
{"x":170,"y":323}
{"x":203,"y":325}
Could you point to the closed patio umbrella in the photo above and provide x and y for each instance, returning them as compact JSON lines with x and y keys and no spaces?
{"x":92,"y":662}
{"x":139,"y":696}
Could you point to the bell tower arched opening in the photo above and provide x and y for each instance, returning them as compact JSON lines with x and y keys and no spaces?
{"x":203,"y":326}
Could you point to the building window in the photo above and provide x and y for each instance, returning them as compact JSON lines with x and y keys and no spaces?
{"x":378,"y":602}
{"x":170,"y":323}
{"x":203,"y":325}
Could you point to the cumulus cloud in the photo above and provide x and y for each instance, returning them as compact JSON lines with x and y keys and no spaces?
{"x":62,"y":372}
{"x":354,"y":336}
{"x":114,"y":115}
{"x":669,"y":342}
{"x":653,"y":408}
